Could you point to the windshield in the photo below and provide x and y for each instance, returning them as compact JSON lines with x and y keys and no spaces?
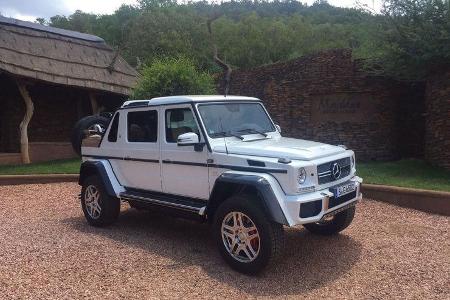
{"x":235,"y":119}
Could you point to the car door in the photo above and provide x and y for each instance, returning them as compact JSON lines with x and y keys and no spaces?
{"x":184,"y":170}
{"x":140,"y":167}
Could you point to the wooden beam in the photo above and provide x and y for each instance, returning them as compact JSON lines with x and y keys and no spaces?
{"x":94,"y":103}
{"x":24,"y":148}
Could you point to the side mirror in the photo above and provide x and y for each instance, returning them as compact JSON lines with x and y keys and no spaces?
{"x":187,"y":139}
{"x":278,"y":128}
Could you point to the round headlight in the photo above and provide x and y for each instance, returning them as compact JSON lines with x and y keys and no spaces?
{"x":301,"y":175}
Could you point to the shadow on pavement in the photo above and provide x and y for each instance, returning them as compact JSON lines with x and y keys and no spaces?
{"x":309,"y":261}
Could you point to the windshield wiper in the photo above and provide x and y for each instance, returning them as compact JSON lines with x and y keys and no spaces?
{"x":229,"y":133}
{"x":252,"y":130}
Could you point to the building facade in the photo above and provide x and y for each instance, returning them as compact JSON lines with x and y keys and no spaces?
{"x":57,"y":76}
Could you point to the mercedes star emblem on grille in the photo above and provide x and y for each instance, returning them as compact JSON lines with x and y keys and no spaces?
{"x":335,"y":171}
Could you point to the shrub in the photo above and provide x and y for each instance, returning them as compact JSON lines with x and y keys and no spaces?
{"x":172,"y":76}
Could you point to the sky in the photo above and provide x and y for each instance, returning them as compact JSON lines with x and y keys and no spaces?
{"x":29,"y":10}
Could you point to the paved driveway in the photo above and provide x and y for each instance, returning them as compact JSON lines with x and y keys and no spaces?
{"x":48,"y":251}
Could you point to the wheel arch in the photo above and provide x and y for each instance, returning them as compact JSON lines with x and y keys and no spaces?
{"x":90,"y":168}
{"x":229,"y":184}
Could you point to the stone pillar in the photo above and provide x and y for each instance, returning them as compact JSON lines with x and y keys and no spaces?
{"x":437,"y":124}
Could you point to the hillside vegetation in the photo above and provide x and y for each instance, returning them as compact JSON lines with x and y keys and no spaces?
{"x":407,"y":40}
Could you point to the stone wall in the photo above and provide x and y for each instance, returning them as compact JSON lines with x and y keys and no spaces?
{"x":327,"y":97}
{"x":437,"y":129}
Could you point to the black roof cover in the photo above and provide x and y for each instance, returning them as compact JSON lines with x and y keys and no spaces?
{"x":39,"y":27}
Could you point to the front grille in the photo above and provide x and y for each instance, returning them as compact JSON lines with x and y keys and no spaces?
{"x":336,"y":201}
{"x":324,"y":170}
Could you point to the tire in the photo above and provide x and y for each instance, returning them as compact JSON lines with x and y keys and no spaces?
{"x":108,"y":208}
{"x":78,"y":131}
{"x":268,"y":245}
{"x":339,"y":222}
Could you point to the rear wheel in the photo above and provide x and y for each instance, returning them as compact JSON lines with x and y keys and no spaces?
{"x":334,"y":224}
{"x":98,"y":207}
{"x":246,"y":239}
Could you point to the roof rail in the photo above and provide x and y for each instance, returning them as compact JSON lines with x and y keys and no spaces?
{"x":137,"y":103}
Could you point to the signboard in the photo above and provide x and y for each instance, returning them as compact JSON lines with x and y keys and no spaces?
{"x":342,"y":107}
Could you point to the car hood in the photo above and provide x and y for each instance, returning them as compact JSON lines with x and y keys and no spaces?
{"x":281,"y":147}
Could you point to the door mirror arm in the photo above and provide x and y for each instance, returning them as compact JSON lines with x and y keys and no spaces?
{"x":199,"y":147}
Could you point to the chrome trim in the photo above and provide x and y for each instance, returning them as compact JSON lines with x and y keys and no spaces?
{"x":323,"y":174}
{"x":326,"y":173}
{"x":202,"y":211}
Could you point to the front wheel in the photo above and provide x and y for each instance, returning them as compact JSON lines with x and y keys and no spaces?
{"x":246,"y":239}
{"x":333,"y":225}
{"x":98,"y":207}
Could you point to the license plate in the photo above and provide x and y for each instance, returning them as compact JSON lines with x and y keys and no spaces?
{"x":344,"y":189}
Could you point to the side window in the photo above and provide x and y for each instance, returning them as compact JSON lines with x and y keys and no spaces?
{"x":112,"y":136}
{"x":143,"y":126}
{"x":179,"y":121}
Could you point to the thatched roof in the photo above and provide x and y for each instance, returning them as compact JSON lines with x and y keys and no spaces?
{"x":62,"y":57}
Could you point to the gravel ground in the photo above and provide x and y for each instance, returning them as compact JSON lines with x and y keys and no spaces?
{"x":49,"y":251}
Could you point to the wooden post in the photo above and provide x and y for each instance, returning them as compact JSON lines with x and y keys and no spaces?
{"x":24,"y":149}
{"x":94,"y":103}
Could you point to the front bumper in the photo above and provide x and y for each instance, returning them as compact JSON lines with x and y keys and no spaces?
{"x":323,"y":201}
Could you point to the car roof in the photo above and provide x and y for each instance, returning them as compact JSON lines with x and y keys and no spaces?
{"x":184,"y":99}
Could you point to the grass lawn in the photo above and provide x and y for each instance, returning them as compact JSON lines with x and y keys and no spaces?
{"x":65,"y":166}
{"x":405,"y":173}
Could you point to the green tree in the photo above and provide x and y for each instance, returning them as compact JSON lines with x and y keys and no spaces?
{"x":41,"y":21}
{"x":172,"y":76}
{"x":249,"y":33}
{"x":415,"y":38}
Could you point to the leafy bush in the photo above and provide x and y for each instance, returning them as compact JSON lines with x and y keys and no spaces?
{"x":173,"y":76}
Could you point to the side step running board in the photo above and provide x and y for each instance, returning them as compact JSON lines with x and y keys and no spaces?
{"x":177,"y":202}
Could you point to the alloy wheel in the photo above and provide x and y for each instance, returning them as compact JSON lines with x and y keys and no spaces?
{"x":240,"y":237}
{"x":91,"y":200}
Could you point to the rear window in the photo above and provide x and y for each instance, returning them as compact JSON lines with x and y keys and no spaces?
{"x":143,"y":126}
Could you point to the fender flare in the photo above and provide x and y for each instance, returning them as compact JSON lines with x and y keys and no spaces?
{"x":270,"y":203}
{"x":89,"y":168}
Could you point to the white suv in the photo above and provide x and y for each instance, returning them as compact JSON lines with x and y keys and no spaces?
{"x":221,"y":160}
